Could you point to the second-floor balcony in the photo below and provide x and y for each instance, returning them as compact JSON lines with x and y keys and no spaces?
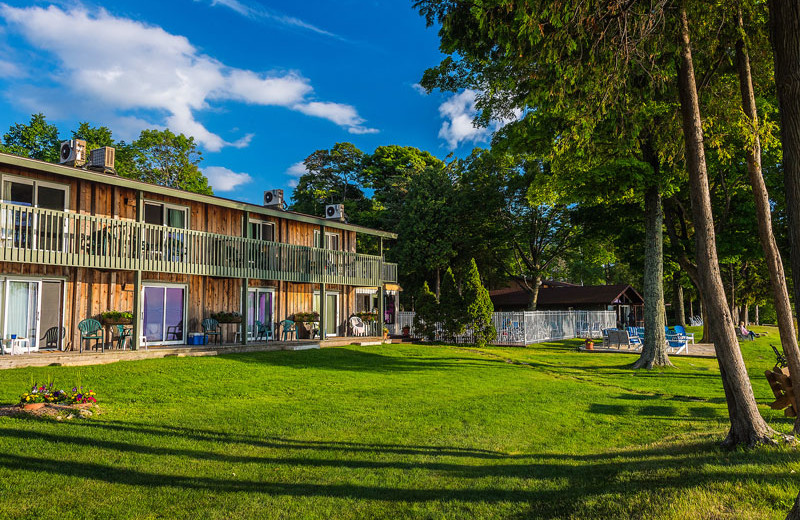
{"x":61,"y":238}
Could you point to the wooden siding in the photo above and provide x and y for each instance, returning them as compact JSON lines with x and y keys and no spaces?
{"x":89,"y":292}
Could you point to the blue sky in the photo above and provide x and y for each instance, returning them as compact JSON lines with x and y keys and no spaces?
{"x":259,"y":84}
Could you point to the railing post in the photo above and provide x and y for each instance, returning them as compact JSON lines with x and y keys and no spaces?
{"x":137,"y":278}
{"x":137,"y":310}
{"x":245,"y":280}
{"x":323,"y":333}
{"x":381,"y":296}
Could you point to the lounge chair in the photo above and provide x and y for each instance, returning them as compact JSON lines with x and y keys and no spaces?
{"x":677,"y":343}
{"x":682,"y":331}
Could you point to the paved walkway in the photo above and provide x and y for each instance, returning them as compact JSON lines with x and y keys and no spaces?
{"x":700,"y":350}
{"x":74,"y":358}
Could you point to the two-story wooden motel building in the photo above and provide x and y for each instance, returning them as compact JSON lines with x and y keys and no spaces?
{"x":75,"y":243}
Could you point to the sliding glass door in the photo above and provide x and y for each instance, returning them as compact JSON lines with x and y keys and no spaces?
{"x":164,"y":313}
{"x":259,"y":308}
{"x":22,"y":309}
{"x":331,"y":312}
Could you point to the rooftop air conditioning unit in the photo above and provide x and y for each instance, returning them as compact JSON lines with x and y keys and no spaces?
{"x":273,"y":198}
{"x":73,"y":152}
{"x":102,"y":159}
{"x":334,"y":212}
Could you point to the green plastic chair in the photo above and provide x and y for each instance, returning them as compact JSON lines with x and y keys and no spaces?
{"x":52,"y":337}
{"x":91,"y":329}
{"x":261,"y":331}
{"x":123,"y":333}
{"x":288,"y":329}
{"x":211,"y":328}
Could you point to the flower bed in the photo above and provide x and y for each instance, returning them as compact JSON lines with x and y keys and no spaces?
{"x":46,"y":394}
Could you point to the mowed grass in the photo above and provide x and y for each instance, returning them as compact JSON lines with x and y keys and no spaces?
{"x":395,"y":431}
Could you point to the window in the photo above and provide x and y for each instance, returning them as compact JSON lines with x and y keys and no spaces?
{"x":159,"y":244}
{"x":262,"y":230}
{"x":30,"y":229}
{"x":35,"y":193}
{"x":168,"y":215}
{"x":331,"y":240}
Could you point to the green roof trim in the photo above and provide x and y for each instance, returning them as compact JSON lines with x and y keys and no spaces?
{"x":106,"y":178}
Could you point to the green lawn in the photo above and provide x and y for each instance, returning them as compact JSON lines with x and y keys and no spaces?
{"x":395,"y":431}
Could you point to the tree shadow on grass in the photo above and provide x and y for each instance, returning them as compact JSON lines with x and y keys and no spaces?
{"x":342,"y":358}
{"x":552,"y":485}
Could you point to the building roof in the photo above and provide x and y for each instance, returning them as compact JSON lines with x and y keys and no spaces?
{"x":559,"y":293}
{"x":106,"y":178}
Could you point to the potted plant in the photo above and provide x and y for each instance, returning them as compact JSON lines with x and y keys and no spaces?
{"x":368,"y":317}
{"x":302,"y":319}
{"x":306,"y":317}
{"x":385,"y":333}
{"x":227,"y":317}
{"x":116,"y":318}
{"x":589,"y":342}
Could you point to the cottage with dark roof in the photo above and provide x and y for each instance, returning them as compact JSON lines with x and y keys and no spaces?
{"x":561,"y":296}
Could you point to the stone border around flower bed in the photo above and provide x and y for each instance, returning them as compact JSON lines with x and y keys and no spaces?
{"x":56,"y":411}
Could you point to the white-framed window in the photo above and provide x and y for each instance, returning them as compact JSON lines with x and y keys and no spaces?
{"x":262,"y":230}
{"x":33,"y":230}
{"x":35,"y":193}
{"x":331,"y":240}
{"x":163,"y":214}
{"x":166,"y":244}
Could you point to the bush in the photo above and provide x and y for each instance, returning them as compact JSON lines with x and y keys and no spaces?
{"x":451,"y":308}
{"x":427,"y":313}
{"x":479,"y":307}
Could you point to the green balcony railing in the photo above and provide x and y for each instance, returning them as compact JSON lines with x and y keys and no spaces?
{"x":60,"y":238}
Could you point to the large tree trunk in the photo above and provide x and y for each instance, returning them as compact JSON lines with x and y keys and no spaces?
{"x":534,"y":294}
{"x":785,"y":34}
{"x":654,"y":350}
{"x":747,"y":426}
{"x":677,"y":304}
{"x":784,"y":25}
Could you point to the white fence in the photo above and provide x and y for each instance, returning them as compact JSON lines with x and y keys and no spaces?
{"x":524,"y":328}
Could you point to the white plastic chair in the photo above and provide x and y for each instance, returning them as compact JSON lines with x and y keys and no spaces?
{"x":359,"y":329}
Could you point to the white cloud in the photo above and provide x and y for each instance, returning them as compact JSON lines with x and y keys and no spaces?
{"x":459,"y":112}
{"x":295,"y":171}
{"x":117,"y":65}
{"x":224,"y":179}
{"x":419,"y":89}
{"x":10,"y":69}
{"x":298,"y":169}
{"x":342,"y":115}
{"x":258,"y":12}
